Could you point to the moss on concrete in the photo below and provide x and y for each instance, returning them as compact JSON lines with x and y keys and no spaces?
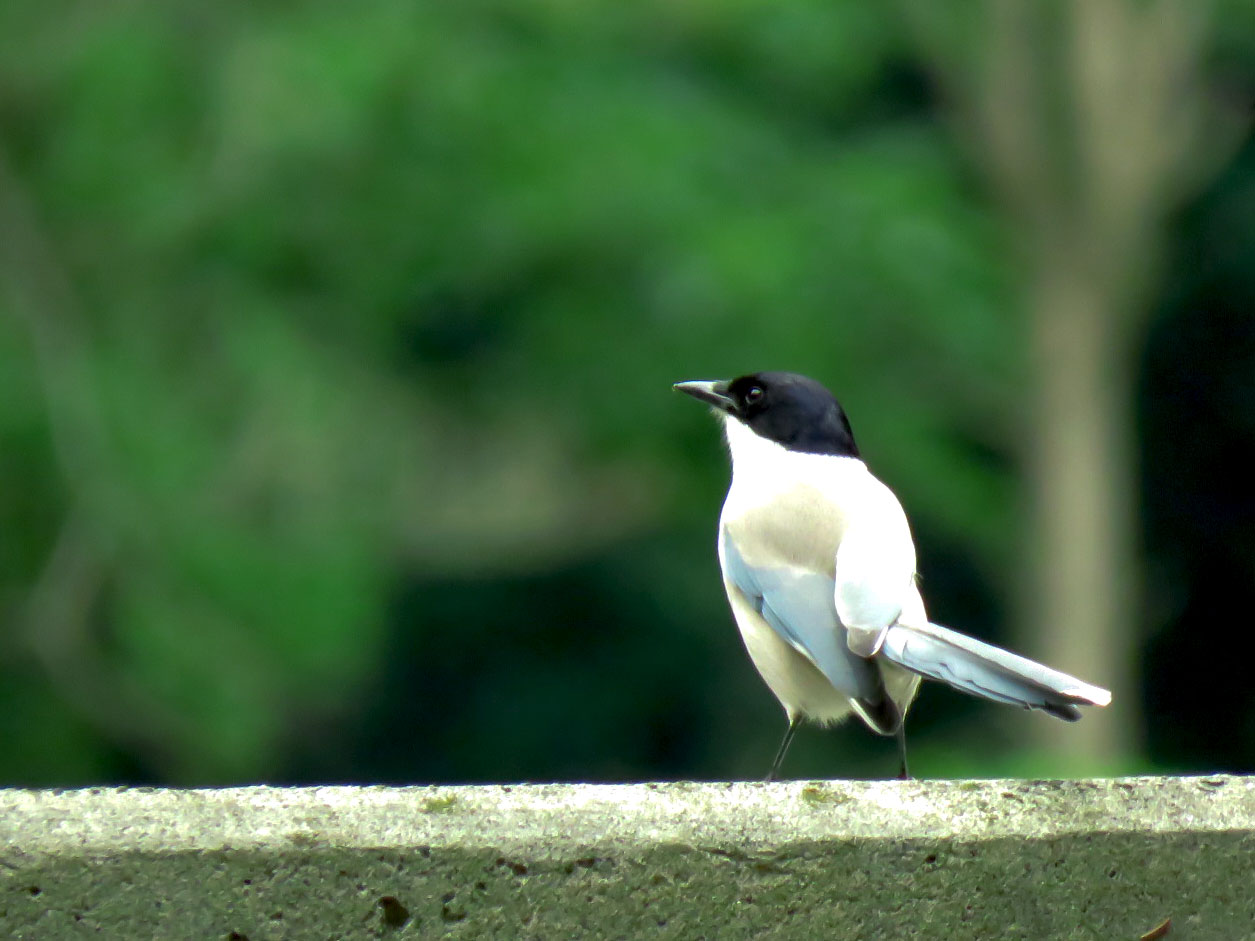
{"x":991,"y":859}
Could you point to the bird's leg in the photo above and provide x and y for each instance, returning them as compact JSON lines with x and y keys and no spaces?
{"x":794,"y":722}
{"x":903,"y":773}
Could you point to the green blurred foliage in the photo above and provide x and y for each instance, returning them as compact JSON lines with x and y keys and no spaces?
{"x":336,"y":439}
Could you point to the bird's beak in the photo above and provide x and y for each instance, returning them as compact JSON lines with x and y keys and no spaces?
{"x":713,"y":392}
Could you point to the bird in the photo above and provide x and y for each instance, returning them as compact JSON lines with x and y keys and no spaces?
{"x":819,"y":567}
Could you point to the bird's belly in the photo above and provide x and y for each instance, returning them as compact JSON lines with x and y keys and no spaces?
{"x":791,"y":677}
{"x":796,"y":681}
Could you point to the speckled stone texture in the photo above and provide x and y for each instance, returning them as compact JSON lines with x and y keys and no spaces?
{"x":1106,"y":860}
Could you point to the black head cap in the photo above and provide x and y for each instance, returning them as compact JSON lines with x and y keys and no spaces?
{"x":792,"y":410}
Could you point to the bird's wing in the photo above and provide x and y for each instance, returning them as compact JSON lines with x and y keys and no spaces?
{"x":799,"y":606}
{"x":875,"y":567}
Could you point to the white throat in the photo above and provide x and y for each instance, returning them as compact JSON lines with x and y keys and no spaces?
{"x":767,"y":466}
{"x":750,"y":453}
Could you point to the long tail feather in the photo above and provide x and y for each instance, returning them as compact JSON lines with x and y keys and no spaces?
{"x":987,"y":671}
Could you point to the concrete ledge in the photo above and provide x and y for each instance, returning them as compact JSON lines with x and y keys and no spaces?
{"x":816,"y":860}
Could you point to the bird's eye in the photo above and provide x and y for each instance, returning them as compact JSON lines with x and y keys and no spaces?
{"x":753,"y":395}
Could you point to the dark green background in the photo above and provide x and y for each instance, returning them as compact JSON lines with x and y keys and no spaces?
{"x":336,"y":341}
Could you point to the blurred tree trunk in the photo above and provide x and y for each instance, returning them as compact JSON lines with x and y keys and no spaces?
{"x":1089,"y":122}
{"x":1080,"y":608}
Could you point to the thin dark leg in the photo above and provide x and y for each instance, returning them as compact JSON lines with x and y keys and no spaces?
{"x":903,"y":773}
{"x":774,"y":773}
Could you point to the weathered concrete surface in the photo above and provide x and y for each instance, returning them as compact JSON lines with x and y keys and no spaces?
{"x":821,"y":860}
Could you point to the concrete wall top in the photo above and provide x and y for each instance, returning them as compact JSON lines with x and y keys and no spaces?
{"x":1097,"y":859}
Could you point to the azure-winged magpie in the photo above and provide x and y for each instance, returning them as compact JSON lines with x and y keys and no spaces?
{"x":819,"y":567}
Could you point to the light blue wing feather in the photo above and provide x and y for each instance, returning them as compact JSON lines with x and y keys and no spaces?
{"x":875,"y":567}
{"x":800,"y":607}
